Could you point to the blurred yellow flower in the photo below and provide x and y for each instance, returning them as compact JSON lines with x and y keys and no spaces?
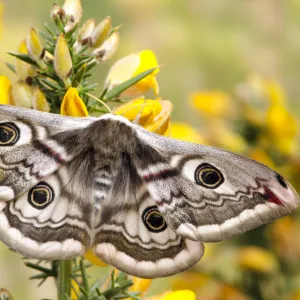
{"x":260,"y":155}
{"x":285,"y":238}
{"x":212,"y":103}
{"x":153,"y":115}
{"x":227,"y":292}
{"x":5,"y":88}
{"x":72,"y":104}
{"x":282,"y":127}
{"x":175,"y":295}
{"x":221,"y":135}
{"x":140,"y":285}
{"x":75,"y":290}
{"x":130,"y":66}
{"x":257,"y":259}
{"x":92,"y":258}
{"x":274,"y":92}
{"x":185,"y":132}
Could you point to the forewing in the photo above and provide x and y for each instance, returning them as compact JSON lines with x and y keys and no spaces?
{"x":132,"y":235}
{"x":209,"y":194}
{"x":33,"y":145}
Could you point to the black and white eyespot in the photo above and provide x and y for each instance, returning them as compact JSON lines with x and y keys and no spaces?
{"x":153,"y":219}
{"x":9,"y":134}
{"x":208,"y":176}
{"x":281,"y":181}
{"x":41,"y":195}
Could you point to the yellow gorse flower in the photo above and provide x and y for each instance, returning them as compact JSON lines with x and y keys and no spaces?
{"x":5,"y":88}
{"x":92,"y":258}
{"x":175,"y":295}
{"x":140,"y":285}
{"x":212,"y":103}
{"x":257,"y":259}
{"x":185,"y":132}
{"x":72,"y":104}
{"x":153,"y":115}
{"x":130,"y":66}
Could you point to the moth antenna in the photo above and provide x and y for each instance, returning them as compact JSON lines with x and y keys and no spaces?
{"x":102,"y":102}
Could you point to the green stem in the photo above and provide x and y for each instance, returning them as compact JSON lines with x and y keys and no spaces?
{"x":64,"y":280}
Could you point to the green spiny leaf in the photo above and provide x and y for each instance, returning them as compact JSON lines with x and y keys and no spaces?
{"x":116,"y":91}
{"x":24,"y":57}
{"x":79,"y":76}
{"x":11,"y":67}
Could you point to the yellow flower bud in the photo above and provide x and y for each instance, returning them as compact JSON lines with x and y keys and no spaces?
{"x":130,"y":66}
{"x":5,"y":89}
{"x":22,"y":94}
{"x":35,"y":47}
{"x":62,"y":59}
{"x":39,"y":101}
{"x":23,"y":69}
{"x":108,"y":48}
{"x":72,"y":104}
{"x":57,"y":11}
{"x":92,"y":258}
{"x":73,"y":10}
{"x":86,"y":31}
{"x":153,"y":115}
{"x":101,"y":32}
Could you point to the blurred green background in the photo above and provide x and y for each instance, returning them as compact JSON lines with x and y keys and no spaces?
{"x":201,"y":45}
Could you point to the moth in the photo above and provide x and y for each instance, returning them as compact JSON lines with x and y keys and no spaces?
{"x":144,"y":203}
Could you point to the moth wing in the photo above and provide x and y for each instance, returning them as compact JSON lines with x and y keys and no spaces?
{"x":33,"y":145}
{"x":207,"y":194}
{"x":53,"y":220}
{"x":131,"y":234}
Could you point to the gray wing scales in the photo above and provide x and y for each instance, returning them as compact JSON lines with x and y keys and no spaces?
{"x":208,"y":194}
{"x":53,"y":220}
{"x":33,"y":145}
{"x":132,"y":235}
